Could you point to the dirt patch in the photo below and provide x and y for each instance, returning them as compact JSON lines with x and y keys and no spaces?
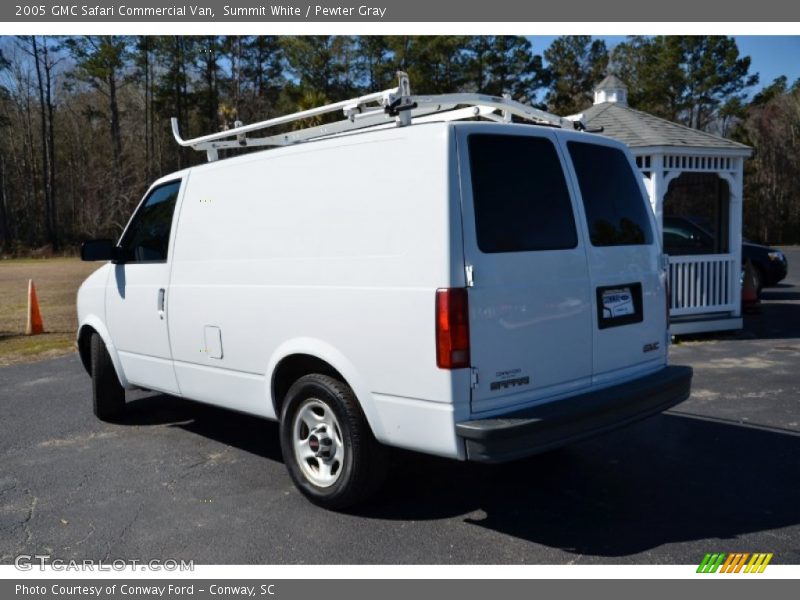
{"x":737,"y":363}
{"x":79,"y":440}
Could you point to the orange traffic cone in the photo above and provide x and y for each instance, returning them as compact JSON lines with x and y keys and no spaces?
{"x":750,"y":300}
{"x":35,"y":325}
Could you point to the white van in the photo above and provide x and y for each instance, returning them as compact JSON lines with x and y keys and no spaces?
{"x":480,"y":291}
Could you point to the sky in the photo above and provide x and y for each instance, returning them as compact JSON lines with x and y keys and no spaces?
{"x":771,"y":56}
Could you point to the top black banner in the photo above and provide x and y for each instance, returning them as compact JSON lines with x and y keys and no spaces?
{"x":221,"y":11}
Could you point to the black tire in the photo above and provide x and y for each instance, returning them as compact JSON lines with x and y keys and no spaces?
{"x":362,"y":470}
{"x":108,"y":396}
{"x":758,"y":279}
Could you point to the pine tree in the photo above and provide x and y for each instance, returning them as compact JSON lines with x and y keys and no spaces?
{"x":576,"y":63}
{"x":102,"y":62}
{"x":506,"y":65}
{"x":695,"y":80}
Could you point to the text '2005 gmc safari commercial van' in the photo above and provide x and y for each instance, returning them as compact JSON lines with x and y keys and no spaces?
{"x":480,"y":291}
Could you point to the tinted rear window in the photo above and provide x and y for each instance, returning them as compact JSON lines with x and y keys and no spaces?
{"x":519,"y":194}
{"x":614,"y":206}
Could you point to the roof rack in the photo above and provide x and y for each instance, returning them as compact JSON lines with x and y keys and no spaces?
{"x":395,"y":106}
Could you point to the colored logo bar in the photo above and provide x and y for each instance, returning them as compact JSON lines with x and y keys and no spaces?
{"x":736,"y":562}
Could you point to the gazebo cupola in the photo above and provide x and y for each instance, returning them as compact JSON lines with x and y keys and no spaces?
{"x":611,"y":89}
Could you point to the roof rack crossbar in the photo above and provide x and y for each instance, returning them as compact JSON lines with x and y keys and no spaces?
{"x":361,"y":121}
{"x":395,"y":106}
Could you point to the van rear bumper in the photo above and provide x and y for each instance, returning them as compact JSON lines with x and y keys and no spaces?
{"x":547,"y":426}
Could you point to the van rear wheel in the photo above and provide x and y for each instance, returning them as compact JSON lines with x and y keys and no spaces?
{"x":327,"y":445}
{"x":108,"y":395}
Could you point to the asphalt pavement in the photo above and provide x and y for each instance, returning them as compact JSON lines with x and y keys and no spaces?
{"x":179,"y":480}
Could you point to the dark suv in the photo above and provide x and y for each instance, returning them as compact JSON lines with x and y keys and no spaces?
{"x":683,"y":236}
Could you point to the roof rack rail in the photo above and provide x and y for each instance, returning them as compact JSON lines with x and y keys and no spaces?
{"x":395,"y":106}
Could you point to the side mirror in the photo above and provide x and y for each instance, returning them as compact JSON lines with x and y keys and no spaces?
{"x":98,"y":250}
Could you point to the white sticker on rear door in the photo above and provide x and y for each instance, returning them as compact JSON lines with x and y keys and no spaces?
{"x":617,"y":303}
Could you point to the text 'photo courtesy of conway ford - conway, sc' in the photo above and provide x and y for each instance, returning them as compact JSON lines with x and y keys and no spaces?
{"x":481,"y":287}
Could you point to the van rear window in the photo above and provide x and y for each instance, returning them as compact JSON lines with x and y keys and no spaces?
{"x":519,"y":193}
{"x":615,"y":209}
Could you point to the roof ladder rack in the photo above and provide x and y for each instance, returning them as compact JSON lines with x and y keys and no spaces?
{"x":392,"y":107}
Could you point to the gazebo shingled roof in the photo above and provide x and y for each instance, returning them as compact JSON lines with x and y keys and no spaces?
{"x":639,"y":129}
{"x":611,"y":81}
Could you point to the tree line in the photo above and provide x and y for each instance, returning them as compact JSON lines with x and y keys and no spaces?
{"x":84,"y":120}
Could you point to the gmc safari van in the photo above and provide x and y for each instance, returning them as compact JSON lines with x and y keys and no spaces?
{"x":479,"y":291}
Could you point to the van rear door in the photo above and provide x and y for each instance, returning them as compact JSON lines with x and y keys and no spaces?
{"x":530,"y":305}
{"x":628,"y":279}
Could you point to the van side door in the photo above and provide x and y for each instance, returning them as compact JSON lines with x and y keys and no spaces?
{"x":137,"y":293}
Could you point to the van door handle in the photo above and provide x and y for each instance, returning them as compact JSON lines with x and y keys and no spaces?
{"x":161,"y":294}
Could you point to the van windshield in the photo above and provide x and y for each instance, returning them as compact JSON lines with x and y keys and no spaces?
{"x":615,"y":210}
{"x":520,"y":195}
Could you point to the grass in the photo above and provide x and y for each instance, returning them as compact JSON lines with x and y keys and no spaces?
{"x":57,"y":281}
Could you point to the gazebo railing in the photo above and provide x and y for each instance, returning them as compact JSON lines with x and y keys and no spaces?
{"x":702,"y":284}
{"x":698,"y":163}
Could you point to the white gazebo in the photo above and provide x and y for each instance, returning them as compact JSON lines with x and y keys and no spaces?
{"x":686,"y":171}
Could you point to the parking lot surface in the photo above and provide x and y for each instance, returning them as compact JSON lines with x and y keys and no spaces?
{"x":179,"y":480}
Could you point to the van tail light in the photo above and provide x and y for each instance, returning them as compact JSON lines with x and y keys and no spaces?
{"x":452,"y":328}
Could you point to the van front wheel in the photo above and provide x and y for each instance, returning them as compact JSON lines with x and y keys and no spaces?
{"x":108,"y":395}
{"x":327,"y":445}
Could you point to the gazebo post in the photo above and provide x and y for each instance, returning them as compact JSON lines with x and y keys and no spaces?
{"x":659,"y":189}
{"x":735,"y":223}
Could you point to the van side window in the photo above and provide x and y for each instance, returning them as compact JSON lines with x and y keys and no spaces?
{"x":147,"y":237}
{"x":520,"y":195}
{"x":613,"y":203}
